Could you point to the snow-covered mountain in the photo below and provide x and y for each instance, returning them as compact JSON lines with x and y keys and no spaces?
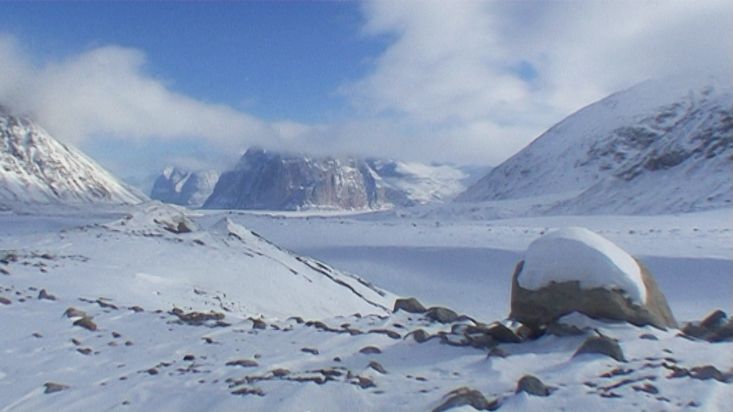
{"x":661,"y":146}
{"x":279,"y":181}
{"x":183,"y":187}
{"x":36,"y":168}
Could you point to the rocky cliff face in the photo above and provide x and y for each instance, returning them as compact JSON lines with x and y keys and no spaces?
{"x":644,"y":150}
{"x":183,"y":187}
{"x":267,"y":180}
{"x":36,"y":168}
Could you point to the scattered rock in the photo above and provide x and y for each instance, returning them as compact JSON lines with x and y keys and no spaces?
{"x":370,"y":350}
{"x":533,"y":386}
{"x":392,"y":334}
{"x":377,"y":367}
{"x":245,"y":363}
{"x":648,"y":336}
{"x":602,"y":345}
{"x":280,"y":372}
{"x":249,"y":391}
{"x":499,"y":332}
{"x":84,"y":351}
{"x":540,"y":307}
{"x":312,"y":351}
{"x":72,"y":312}
{"x":365,"y":382}
{"x":53,"y":387}
{"x":5,"y":301}
{"x":258,"y":323}
{"x":116,"y":335}
{"x":410,"y":305}
{"x":419,"y":335}
{"x":466,"y":396}
{"x":197,"y":318}
{"x":86,"y":323}
{"x":4,"y":271}
{"x":709,"y":372}
{"x":45,"y":295}
{"x":152,"y":371}
{"x":716,"y":327}
{"x":189,"y":358}
{"x":136,"y":309}
{"x":441,"y":314}
{"x":647,"y":387}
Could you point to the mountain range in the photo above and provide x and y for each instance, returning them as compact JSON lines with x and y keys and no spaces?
{"x":663,"y":146}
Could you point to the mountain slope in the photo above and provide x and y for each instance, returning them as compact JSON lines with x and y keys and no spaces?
{"x":183,"y":187}
{"x":36,"y":168}
{"x":643,"y":150}
{"x":282,"y":181}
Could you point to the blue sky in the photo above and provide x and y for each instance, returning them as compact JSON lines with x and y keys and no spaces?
{"x":276,"y":60}
{"x":141,"y":85}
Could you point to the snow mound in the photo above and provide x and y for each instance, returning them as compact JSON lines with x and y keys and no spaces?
{"x":578,"y":254}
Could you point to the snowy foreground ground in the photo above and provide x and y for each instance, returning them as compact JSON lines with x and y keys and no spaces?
{"x":291,"y":333}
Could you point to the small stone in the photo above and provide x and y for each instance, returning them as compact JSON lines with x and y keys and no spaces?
{"x":245,"y":363}
{"x":84,"y":351}
{"x":72,"y":312}
{"x":86,"y":323}
{"x":53,"y":387}
{"x":45,"y":295}
{"x":709,"y":372}
{"x":5,"y":301}
{"x":419,"y":335}
{"x":365,"y":382}
{"x":280,"y":372}
{"x":714,"y":320}
{"x":410,"y":305}
{"x":152,"y":371}
{"x":128,"y":343}
{"x":258,"y":323}
{"x":533,"y":386}
{"x":377,"y":367}
{"x":441,"y":314}
{"x":392,"y":334}
{"x":312,"y":351}
{"x":501,"y":333}
{"x":602,"y":345}
{"x":466,"y":397}
{"x":189,"y":358}
{"x":116,"y":335}
{"x":249,"y":391}
{"x":648,"y":336}
{"x":562,"y":330}
{"x":370,"y":350}
{"x":136,"y":309}
{"x":647,"y":387}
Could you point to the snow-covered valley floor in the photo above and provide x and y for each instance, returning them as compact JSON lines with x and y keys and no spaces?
{"x":467,"y":264}
{"x":291,"y":333}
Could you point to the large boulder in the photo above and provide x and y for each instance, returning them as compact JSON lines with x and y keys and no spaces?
{"x":576,"y":270}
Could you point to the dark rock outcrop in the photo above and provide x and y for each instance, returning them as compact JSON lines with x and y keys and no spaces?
{"x":602,"y":345}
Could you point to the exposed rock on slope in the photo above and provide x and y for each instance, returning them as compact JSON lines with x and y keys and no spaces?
{"x":183,"y":187}
{"x":36,"y":168}
{"x":279,"y":181}
{"x":576,"y":270}
{"x":643,"y":150}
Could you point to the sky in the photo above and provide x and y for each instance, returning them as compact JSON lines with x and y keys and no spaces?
{"x":141,"y":85}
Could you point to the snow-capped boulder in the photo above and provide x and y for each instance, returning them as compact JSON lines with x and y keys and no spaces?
{"x":576,"y":270}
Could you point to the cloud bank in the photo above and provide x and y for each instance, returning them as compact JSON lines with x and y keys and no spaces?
{"x":465,"y":81}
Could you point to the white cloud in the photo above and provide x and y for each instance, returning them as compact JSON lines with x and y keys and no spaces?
{"x":106,"y":92}
{"x":451,"y":74}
